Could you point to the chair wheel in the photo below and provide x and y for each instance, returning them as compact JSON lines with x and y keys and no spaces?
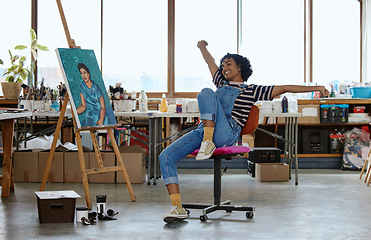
{"x":249,"y":214}
{"x":188,"y":212}
{"x":203,"y":218}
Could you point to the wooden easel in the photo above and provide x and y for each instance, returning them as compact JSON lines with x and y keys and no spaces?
{"x":84,"y":171}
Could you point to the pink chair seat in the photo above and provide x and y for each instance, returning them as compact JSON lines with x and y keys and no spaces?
{"x":227,"y":150}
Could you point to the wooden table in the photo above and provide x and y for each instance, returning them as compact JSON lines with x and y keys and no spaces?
{"x":7,"y":130}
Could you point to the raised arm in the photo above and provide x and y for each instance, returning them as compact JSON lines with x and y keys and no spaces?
{"x":207,"y":57}
{"x":278,"y":90}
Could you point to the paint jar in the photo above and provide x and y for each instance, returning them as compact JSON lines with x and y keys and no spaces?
{"x":101,"y":204}
{"x":80,"y":213}
{"x":179,"y":108}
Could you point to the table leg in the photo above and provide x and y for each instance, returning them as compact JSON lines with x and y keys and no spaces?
{"x":150,"y":149}
{"x":289,"y":139}
{"x":286,"y":154}
{"x":296,"y":150}
{"x":7,"y":130}
{"x":155,"y":148}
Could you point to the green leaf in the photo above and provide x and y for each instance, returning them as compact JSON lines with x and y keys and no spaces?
{"x":20,"y":47}
{"x":24,"y":75}
{"x":10,"y":79}
{"x":42,"y":47}
{"x":1,"y":61}
{"x":33,"y":34}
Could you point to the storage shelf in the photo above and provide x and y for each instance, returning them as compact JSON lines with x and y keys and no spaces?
{"x":334,"y":101}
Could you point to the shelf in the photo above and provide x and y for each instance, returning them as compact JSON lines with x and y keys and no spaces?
{"x":320,"y":155}
{"x":334,"y":101}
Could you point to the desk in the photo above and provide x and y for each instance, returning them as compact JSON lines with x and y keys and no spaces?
{"x":7,"y":129}
{"x":291,"y":138}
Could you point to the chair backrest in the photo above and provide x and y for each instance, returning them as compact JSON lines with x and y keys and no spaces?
{"x":252,"y":121}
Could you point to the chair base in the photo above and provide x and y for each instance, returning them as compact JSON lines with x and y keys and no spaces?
{"x":225,"y":206}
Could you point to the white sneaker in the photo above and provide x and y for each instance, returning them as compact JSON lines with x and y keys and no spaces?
{"x":207,"y":149}
{"x":175,"y":214}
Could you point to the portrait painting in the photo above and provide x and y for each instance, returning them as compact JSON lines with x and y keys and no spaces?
{"x":85,"y":86}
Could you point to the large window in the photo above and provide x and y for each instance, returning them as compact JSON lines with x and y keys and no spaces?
{"x":15,"y":30}
{"x":130,"y":40}
{"x":336,"y":41}
{"x":83,"y":20}
{"x":273,"y":40}
{"x":135,"y":44}
{"x":210,"y":20}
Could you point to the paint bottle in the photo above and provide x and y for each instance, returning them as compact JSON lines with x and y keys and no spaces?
{"x":143,"y":102}
{"x":285,"y":104}
{"x":163,"y":106}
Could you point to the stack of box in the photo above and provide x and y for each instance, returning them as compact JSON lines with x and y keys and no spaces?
{"x":30,"y":166}
{"x":262,"y":155}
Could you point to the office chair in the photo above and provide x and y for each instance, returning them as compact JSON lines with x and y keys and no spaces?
{"x":227,"y":153}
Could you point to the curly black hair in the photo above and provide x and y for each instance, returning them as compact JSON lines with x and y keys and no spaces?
{"x":242,"y":62}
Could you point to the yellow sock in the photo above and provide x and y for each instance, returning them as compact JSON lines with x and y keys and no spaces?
{"x":175,"y":200}
{"x":208,"y":134}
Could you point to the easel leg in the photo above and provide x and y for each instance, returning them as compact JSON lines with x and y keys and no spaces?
{"x":85,"y":181}
{"x":54,"y":144}
{"x":363,"y":169}
{"x":121,"y":164}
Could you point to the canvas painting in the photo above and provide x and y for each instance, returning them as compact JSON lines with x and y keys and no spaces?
{"x":88,"y":96}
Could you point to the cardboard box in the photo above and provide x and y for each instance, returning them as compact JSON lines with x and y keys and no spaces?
{"x":56,"y":169}
{"x":72,"y":170}
{"x":134,"y":161}
{"x":309,"y":113}
{"x":56,"y":206}
{"x":26,"y":166}
{"x":109,"y":160}
{"x":272,"y":172}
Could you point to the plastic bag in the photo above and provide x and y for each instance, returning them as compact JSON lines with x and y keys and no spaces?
{"x":356,"y":147}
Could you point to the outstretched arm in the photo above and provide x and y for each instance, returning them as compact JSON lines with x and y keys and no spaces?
{"x":207,"y":57}
{"x":278,"y":90}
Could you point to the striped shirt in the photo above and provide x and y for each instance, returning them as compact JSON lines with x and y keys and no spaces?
{"x":249,"y":95}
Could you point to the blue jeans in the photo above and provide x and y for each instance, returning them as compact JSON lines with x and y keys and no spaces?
{"x":216,"y":106}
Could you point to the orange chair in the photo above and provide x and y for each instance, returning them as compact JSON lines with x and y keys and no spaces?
{"x":227,"y":153}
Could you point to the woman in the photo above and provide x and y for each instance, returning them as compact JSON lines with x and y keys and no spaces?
{"x":92,"y":101}
{"x":223,"y":114}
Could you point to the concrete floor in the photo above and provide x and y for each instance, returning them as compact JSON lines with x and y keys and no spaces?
{"x":327,"y":204}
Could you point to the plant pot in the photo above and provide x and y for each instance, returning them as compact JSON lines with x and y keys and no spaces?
{"x":11,"y":90}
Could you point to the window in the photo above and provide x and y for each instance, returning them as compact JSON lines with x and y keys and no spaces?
{"x":273,"y":41}
{"x":336,"y":41}
{"x":135,"y":44}
{"x":16,"y":28}
{"x":201,"y":20}
{"x":83,"y":20}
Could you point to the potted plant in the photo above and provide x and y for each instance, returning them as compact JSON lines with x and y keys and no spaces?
{"x":18,"y":71}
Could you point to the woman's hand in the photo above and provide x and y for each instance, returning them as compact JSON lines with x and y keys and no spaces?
{"x":202,"y":43}
{"x":324,"y":92}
